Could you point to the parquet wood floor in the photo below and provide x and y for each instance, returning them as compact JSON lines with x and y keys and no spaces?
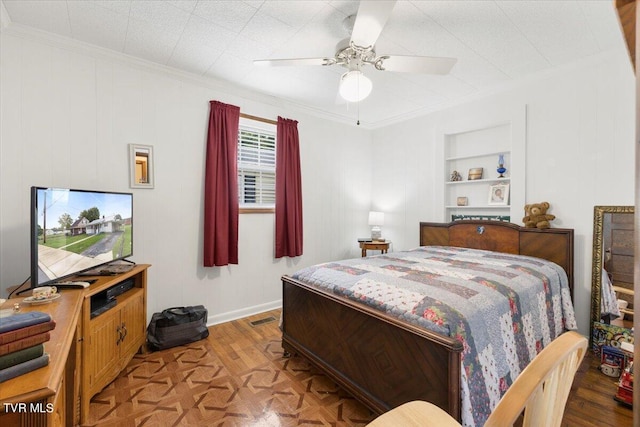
{"x":239,"y":377}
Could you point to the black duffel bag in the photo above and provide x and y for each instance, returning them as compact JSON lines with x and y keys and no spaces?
{"x":177,"y":326}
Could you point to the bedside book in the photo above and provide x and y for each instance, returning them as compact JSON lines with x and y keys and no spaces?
{"x":22,"y":320}
{"x":24,"y":367}
{"x":21,"y":356}
{"x":24,"y":343}
{"x":27,"y":331}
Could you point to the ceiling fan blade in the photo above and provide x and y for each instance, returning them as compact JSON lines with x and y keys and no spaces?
{"x":371,"y":18}
{"x":418,"y":64}
{"x":294,"y":61}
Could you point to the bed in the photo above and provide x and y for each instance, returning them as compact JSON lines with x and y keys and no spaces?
{"x":384,"y":359}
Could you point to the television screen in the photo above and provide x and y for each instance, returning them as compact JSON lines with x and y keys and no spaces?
{"x":73,"y":231}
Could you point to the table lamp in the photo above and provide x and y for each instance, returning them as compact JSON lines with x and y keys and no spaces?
{"x":376,"y":219}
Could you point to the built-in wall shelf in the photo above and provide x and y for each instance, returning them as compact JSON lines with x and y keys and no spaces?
{"x":455,"y":207}
{"x":493,"y":154}
{"x":479,"y":181}
{"x":478,"y":143}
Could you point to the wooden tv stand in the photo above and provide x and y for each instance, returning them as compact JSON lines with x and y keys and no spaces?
{"x":86,"y":353}
{"x":111,"y":339}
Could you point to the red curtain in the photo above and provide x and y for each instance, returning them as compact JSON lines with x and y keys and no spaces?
{"x":221,"y":186}
{"x":288,"y":190}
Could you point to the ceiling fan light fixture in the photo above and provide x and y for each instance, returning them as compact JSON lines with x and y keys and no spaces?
{"x":355,"y":86}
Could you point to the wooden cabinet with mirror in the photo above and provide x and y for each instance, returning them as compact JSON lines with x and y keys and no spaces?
{"x":613,"y":266}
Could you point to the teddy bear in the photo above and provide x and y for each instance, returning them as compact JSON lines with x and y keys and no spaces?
{"x":536,"y":215}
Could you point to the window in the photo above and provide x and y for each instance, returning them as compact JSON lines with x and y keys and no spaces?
{"x":256,"y":165}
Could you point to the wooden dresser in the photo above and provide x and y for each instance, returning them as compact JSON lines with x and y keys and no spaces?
{"x":86,"y":351}
{"x":46,"y":396}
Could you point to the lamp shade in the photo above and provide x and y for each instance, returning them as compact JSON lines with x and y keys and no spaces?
{"x":376,"y":218}
{"x":355,"y":86}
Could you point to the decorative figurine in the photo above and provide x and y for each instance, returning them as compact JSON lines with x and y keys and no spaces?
{"x":501,"y":169}
{"x":536,"y":215}
{"x":455,"y":176}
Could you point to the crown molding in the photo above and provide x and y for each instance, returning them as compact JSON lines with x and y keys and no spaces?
{"x":219,"y":85}
{"x":236,"y":91}
{"x":571,"y":68}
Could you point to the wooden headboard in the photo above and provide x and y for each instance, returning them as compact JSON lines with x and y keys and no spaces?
{"x":553,"y":244}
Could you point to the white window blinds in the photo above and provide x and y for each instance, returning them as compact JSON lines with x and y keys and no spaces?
{"x":256,"y":164}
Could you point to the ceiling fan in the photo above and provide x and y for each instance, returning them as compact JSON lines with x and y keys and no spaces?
{"x":359,"y":50}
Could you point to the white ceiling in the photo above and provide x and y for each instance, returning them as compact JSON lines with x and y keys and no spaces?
{"x":496,"y":42}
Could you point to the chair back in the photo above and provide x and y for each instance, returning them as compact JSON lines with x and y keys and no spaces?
{"x":542,"y":388}
{"x":541,"y":391}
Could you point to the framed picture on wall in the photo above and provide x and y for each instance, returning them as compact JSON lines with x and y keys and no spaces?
{"x":140,"y":166}
{"x":498,"y":195}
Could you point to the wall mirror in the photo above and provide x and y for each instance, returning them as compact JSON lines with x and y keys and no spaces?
{"x":613,"y":264}
{"x":140,"y":166}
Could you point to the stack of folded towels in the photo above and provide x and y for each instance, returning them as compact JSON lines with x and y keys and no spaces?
{"x":22,"y":338}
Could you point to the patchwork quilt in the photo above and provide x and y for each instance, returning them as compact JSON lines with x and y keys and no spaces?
{"x":503,"y":308}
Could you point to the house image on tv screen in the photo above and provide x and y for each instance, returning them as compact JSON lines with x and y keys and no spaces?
{"x":79,"y":226}
{"x":78,"y":230}
{"x":105,"y":225}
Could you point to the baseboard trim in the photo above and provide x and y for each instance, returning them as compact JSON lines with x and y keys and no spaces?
{"x":245,"y":312}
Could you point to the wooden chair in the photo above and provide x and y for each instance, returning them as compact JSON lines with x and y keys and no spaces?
{"x":541,"y":391}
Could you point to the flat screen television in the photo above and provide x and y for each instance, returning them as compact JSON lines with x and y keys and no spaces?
{"x":74,"y":231}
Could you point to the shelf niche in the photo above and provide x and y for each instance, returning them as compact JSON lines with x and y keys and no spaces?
{"x":479,"y":146}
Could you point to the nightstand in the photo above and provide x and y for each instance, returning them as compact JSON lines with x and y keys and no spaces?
{"x":383,"y":247}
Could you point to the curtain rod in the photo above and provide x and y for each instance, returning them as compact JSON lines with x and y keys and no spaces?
{"x":258,"y":119}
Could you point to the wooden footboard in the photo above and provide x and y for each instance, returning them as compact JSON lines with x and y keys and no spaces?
{"x":381,"y":361}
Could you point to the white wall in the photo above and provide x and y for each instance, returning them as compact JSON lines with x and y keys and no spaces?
{"x":68,"y":113}
{"x":580,"y":153}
